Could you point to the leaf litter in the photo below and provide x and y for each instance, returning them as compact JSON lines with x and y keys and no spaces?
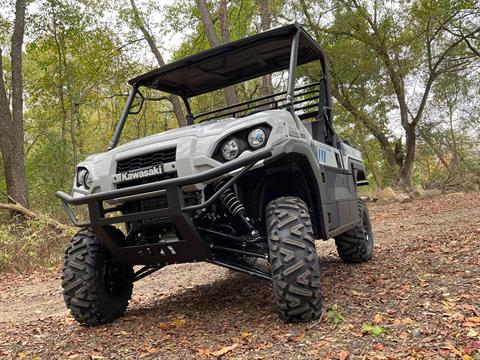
{"x":419,"y":298}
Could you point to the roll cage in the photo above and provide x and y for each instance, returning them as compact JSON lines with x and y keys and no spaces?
{"x":229,"y":64}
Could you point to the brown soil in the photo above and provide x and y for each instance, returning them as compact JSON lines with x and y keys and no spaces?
{"x":422,"y":289}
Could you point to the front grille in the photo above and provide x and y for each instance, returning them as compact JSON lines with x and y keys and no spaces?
{"x":152,"y":159}
{"x":160,"y":202}
{"x":154,"y":203}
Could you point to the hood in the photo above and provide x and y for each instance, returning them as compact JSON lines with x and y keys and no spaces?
{"x":209,"y":128}
{"x":206,"y":129}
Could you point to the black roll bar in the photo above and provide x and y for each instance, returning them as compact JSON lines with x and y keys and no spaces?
{"x":123,"y":118}
{"x":290,"y":94}
{"x":291,"y":72}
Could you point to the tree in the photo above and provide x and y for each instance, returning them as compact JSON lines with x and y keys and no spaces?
{"x":158,"y":56}
{"x":11,"y":119}
{"x":230,"y":95}
{"x":462,"y":28}
{"x":409,"y":44}
{"x":74,"y":72}
{"x":266,"y":88}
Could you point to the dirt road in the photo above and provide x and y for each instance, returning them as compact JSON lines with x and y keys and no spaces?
{"x":422,"y":291}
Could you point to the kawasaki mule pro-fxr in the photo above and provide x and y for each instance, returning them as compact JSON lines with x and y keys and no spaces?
{"x":245,"y":184}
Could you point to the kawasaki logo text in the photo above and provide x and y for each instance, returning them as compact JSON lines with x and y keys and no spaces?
{"x":139,"y":174}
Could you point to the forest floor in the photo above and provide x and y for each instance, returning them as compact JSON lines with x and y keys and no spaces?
{"x":419,"y":298}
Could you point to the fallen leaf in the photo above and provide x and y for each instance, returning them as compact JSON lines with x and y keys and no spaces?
{"x":457,"y":316}
{"x":120,"y":333}
{"x":179,"y":322}
{"x":144,"y":355}
{"x":299,"y":337}
{"x":203,"y":351}
{"x":164,"y":326}
{"x":343,"y":355}
{"x":408,"y":321}
{"x":378,"y":318}
{"x":224,"y":350}
{"x":264,"y":346}
{"x":246,"y":334}
{"x":452,"y":348}
{"x":472,"y":333}
{"x":375,"y":330}
{"x":474,"y":319}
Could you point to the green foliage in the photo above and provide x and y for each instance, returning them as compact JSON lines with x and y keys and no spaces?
{"x":31,"y":244}
{"x":334,"y":315}
{"x":74,"y":72}
{"x":4,"y":30}
{"x":385,"y":58}
{"x":375,"y":330}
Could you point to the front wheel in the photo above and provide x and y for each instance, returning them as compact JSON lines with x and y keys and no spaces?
{"x":356,"y":245}
{"x":294,"y":260}
{"x":96,"y":288}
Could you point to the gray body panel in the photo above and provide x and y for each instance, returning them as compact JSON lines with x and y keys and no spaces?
{"x":195,"y":146}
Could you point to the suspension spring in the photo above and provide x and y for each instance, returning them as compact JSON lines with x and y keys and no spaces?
{"x":230,"y":200}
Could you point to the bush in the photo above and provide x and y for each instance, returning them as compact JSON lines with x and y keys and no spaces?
{"x":27,"y":245}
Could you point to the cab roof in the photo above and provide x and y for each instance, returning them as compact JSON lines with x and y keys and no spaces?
{"x":231,"y":63}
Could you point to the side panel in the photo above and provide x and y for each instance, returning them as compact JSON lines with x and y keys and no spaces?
{"x":335,"y":186}
{"x":339,"y":188}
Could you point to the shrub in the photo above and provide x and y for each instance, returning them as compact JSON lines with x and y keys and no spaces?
{"x":27,"y":245}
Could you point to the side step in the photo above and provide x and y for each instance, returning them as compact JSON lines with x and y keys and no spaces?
{"x":243,"y":269}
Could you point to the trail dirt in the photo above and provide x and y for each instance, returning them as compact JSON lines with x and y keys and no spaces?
{"x":418,"y":298}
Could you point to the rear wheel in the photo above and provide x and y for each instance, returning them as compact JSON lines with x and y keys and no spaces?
{"x":356,"y":245}
{"x":294,"y":260}
{"x":96,"y":288}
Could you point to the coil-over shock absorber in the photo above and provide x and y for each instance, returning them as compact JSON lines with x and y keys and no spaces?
{"x":234,"y":205}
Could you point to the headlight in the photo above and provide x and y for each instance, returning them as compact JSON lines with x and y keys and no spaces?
{"x":230,"y":149}
{"x":249,"y":139}
{"x":84,"y":179}
{"x":257,"y":138}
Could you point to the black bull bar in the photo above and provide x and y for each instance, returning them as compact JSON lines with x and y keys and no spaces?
{"x":191,"y":246}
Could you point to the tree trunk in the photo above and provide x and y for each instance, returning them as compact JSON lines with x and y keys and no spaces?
{"x":405,"y":176}
{"x":177,"y":108}
{"x":11,"y":122}
{"x":360,"y":117}
{"x":266,"y":87}
{"x":73,"y":130}
{"x":73,"y":104}
{"x":61,"y":96}
{"x":434,"y":148}
{"x":229,"y":91}
{"x":223,"y":18}
{"x":208,"y":23}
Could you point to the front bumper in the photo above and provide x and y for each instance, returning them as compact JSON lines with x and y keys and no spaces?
{"x":192,"y":246}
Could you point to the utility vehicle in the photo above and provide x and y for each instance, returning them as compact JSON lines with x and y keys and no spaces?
{"x":248,"y":187}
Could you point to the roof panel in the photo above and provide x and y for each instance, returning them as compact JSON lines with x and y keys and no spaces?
{"x":231,"y":63}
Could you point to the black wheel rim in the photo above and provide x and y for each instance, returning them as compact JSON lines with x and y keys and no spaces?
{"x":114,"y":277}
